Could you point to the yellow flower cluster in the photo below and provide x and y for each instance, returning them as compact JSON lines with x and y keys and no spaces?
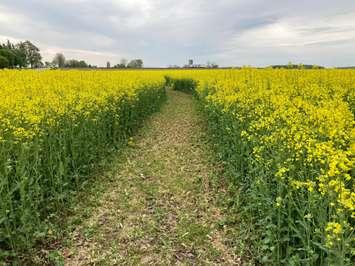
{"x":334,"y":231}
{"x":298,"y":126}
{"x":308,"y":114}
{"x":33,"y":100}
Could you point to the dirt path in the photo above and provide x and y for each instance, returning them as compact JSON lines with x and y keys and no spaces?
{"x":159,"y":207}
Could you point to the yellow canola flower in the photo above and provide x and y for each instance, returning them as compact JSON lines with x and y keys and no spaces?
{"x":32,"y":101}
{"x":299,"y":124}
{"x":333,"y":230}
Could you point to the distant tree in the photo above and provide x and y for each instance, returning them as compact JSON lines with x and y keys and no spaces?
{"x":20,"y":58}
{"x":83,"y":64}
{"x":211,"y":65}
{"x":59,"y":60}
{"x":9,"y":55}
{"x":316,"y":67}
{"x":3,"y":62}
{"x":108,"y":65}
{"x":17,"y":55}
{"x":173,"y":66}
{"x":72,"y":63}
{"x":47,"y":64}
{"x":31,"y":53}
{"x":123,"y":63}
{"x":298,"y":66}
{"x":135,"y":63}
{"x":76,"y":64}
{"x":9,"y":45}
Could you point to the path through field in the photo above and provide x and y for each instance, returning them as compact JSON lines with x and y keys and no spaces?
{"x":159,"y":206}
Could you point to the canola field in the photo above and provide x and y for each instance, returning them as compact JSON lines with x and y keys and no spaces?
{"x":54,"y":127}
{"x":286,"y":139}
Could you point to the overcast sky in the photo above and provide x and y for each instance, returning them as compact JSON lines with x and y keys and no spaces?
{"x":166,"y":32}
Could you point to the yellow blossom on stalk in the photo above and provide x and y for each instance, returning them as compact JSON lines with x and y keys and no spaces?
{"x":334,"y":228}
{"x":309,"y":185}
{"x":280,"y":172}
{"x":130,"y":141}
{"x":333,"y":233}
{"x":278,"y":202}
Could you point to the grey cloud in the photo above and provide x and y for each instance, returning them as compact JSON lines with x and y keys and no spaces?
{"x":165,"y":32}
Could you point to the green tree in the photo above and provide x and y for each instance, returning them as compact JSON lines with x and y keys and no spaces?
{"x":83,"y":64}
{"x":15,"y":54}
{"x":59,"y":60}
{"x":123,"y":63}
{"x":135,"y":63}
{"x":76,"y":64}
{"x":3,"y":62}
{"x":20,"y":58}
{"x":32,"y":54}
{"x":9,"y":55}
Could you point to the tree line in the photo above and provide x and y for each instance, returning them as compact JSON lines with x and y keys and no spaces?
{"x":26,"y":54}
{"x":135,"y":63}
{"x":60,"y":62}
{"x":22,"y":54}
